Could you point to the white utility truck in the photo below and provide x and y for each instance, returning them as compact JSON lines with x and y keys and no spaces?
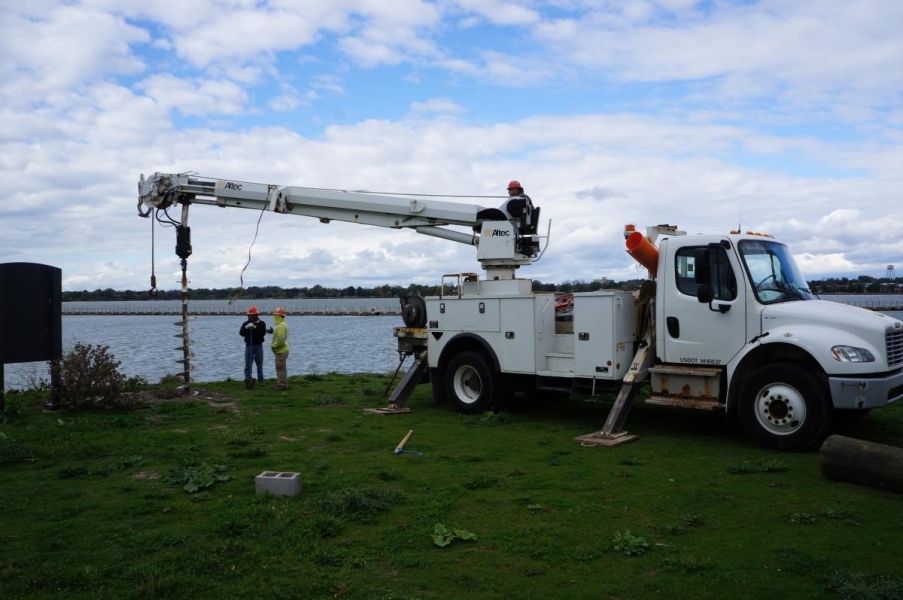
{"x":725,"y":322}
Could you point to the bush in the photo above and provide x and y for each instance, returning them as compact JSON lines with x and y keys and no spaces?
{"x":89,"y":379}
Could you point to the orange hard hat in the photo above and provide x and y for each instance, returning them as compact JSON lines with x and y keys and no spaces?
{"x":253,"y":311}
{"x":515,"y":184}
{"x":279,"y":312}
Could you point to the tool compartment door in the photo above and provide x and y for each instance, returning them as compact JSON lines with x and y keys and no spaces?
{"x":604,"y":334}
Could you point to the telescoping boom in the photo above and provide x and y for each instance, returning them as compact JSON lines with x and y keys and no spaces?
{"x":506,"y":237}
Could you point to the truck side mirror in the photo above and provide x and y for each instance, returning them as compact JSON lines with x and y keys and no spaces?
{"x":702,"y":266}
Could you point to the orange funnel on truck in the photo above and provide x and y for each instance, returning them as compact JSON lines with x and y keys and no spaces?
{"x":643,"y":251}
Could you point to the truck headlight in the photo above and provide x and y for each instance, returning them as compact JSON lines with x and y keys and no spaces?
{"x":852,"y":354}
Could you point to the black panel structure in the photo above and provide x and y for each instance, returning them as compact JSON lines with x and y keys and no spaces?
{"x":31,"y":315}
{"x":30,"y":312}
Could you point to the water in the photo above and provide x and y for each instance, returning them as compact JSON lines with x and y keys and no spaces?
{"x":240,"y":307}
{"x":145,"y":345}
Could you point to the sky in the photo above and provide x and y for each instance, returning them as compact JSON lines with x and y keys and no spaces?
{"x":774,"y":116}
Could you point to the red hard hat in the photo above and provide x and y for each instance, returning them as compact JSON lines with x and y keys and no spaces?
{"x":253,"y":311}
{"x":279,"y":312}
{"x":514,"y":184}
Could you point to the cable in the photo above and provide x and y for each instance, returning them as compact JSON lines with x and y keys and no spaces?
{"x":241,"y":276}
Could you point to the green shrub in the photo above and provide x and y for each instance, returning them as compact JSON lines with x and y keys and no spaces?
{"x":443,"y":536}
{"x":629,"y":544}
{"x":196,"y":478}
{"x":89,"y":379}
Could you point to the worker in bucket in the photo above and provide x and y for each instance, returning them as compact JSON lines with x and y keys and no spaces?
{"x":253,"y":331}
{"x":515,"y":188}
{"x":279,"y":346}
{"x":519,"y":206}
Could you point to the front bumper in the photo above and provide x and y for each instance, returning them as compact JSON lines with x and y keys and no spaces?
{"x":871,"y":392}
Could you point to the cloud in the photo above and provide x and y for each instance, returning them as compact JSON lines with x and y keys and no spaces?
{"x":805,"y":53}
{"x":51,"y":49}
{"x":498,"y":12}
{"x":197,"y":97}
{"x":780,"y":117}
{"x":436,"y":105}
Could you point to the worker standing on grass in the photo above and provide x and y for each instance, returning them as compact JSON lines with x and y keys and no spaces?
{"x":253,"y":330}
{"x":279,"y":345}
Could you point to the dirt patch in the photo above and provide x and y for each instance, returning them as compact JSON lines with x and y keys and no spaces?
{"x":146,"y":475}
{"x":214,"y":399}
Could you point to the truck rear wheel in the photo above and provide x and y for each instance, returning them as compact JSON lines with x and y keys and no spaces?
{"x":470,"y":383}
{"x":437,"y":382}
{"x":784,"y":408}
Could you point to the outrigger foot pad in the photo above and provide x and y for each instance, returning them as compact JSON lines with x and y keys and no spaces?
{"x":600,"y":438}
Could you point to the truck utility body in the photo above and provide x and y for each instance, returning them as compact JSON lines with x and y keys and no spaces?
{"x":725,"y":322}
{"x":520,"y":335}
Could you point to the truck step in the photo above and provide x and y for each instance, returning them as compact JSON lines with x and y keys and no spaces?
{"x":686,"y":370}
{"x":558,"y":374}
{"x":702,"y":404}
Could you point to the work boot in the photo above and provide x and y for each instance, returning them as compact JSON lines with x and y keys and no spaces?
{"x":249,"y":383}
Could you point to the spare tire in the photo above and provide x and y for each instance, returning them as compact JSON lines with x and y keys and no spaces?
{"x":413,"y":311}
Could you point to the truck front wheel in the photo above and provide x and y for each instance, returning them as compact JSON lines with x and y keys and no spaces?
{"x":784,"y":407}
{"x":469,"y":383}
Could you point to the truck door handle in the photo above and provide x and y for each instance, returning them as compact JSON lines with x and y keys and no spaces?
{"x":673,"y":327}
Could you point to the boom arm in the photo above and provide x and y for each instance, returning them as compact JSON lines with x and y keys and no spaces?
{"x":508,"y":241}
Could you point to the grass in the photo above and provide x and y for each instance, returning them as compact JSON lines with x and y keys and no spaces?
{"x":160,"y":503}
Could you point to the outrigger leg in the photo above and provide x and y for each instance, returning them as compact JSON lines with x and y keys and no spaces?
{"x":405,"y":387}
{"x":612,"y":432}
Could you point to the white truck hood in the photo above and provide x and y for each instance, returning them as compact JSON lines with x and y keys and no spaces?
{"x":820,"y":324}
{"x":823,"y":312}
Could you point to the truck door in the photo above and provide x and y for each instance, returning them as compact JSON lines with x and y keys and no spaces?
{"x":695,"y":332}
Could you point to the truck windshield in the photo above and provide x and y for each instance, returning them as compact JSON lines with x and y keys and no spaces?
{"x":772,"y":272}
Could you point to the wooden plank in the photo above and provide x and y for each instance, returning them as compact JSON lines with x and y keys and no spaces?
{"x":387,"y":411}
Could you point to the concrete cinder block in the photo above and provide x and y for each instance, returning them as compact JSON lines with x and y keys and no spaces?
{"x":278,"y":483}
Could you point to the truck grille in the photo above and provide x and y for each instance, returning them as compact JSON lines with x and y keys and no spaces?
{"x":894,"y":340}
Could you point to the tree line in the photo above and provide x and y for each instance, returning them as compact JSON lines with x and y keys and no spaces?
{"x":319,"y":291}
{"x":831,"y":285}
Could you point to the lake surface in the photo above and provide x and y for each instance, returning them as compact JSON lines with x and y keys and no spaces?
{"x":146,"y":345}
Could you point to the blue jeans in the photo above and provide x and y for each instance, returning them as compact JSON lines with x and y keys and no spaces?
{"x":254,"y":353}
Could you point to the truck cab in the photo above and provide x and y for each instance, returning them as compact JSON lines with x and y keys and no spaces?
{"x":737,"y":328}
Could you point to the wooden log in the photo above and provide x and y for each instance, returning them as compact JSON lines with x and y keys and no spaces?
{"x":860,"y":461}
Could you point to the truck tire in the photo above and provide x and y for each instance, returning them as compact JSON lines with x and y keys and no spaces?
{"x":437,"y":383}
{"x":783,"y":407}
{"x":470,"y":383}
